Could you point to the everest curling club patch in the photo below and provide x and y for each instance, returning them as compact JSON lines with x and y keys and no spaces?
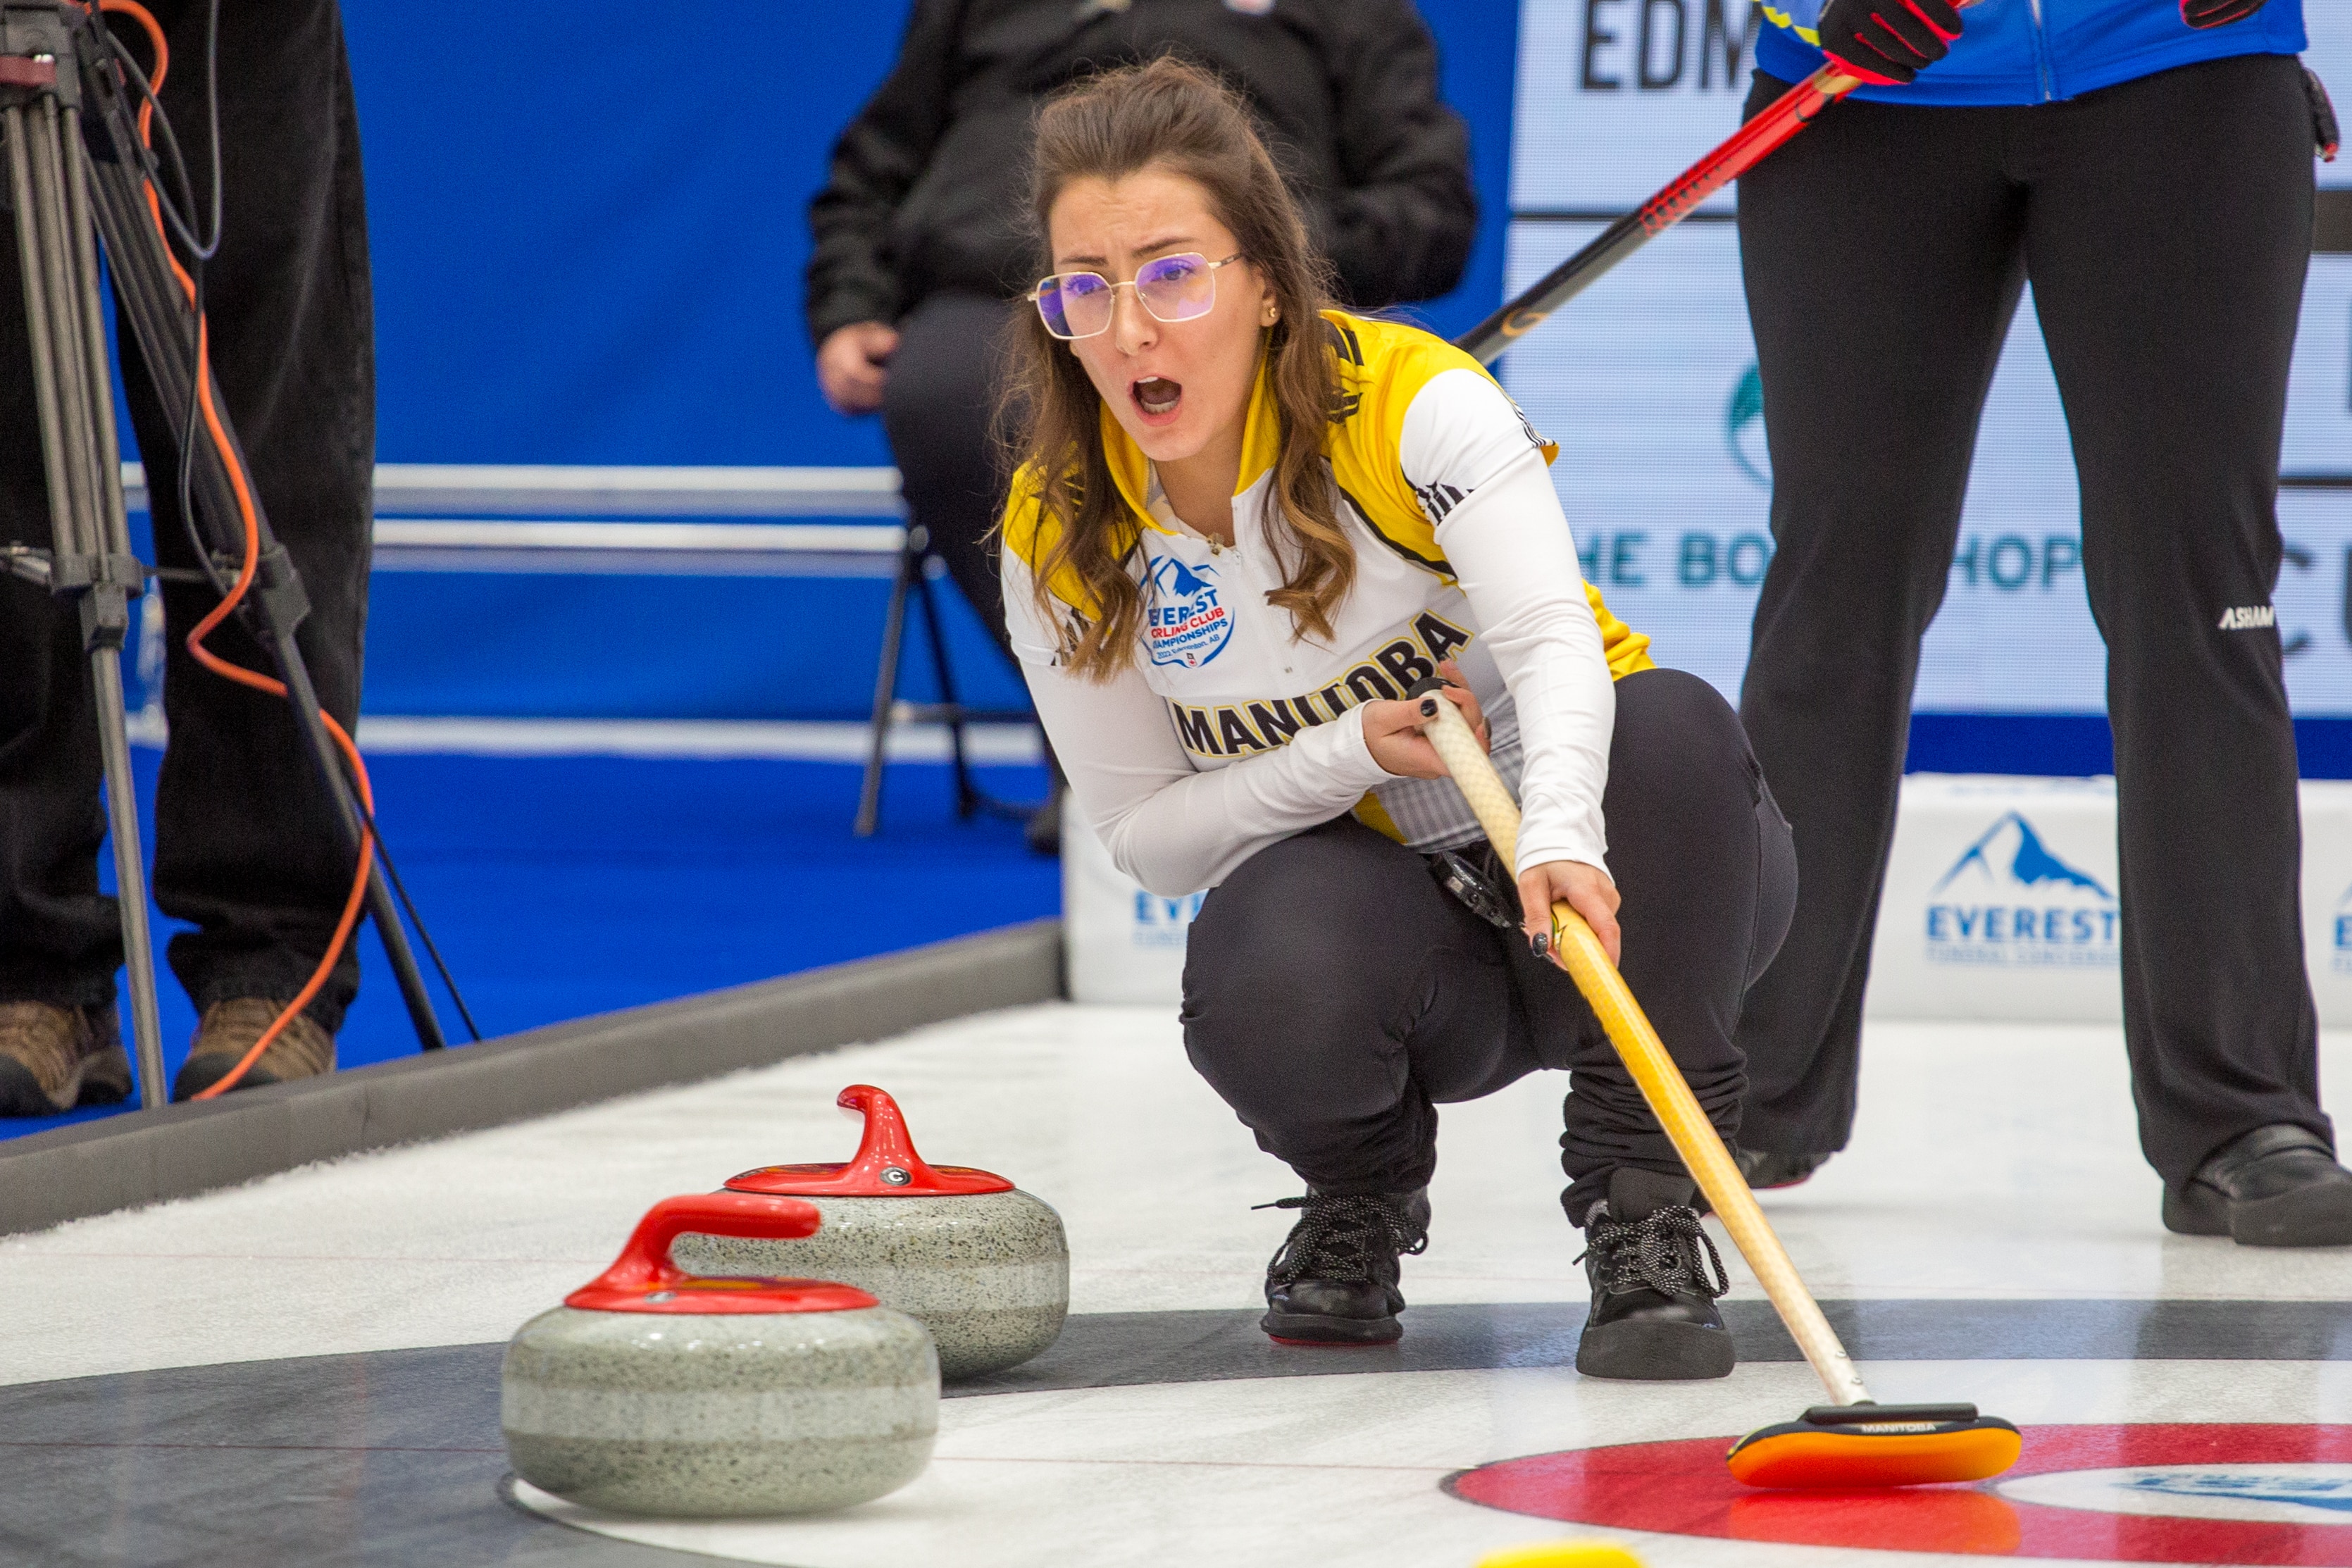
{"x":1188,"y":622}
{"x":2174,"y":1492}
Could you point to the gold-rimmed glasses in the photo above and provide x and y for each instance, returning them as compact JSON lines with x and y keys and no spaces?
{"x":1180,"y":287}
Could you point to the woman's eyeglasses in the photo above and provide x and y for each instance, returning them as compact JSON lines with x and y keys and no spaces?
{"x":1172,"y":288}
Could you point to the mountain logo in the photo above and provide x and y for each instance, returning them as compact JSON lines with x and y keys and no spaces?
{"x":2326,"y":1488}
{"x":1187,"y":622}
{"x":2030,"y":864}
{"x":2009,"y":899}
{"x":2267,"y":1495}
{"x":1743,"y":428}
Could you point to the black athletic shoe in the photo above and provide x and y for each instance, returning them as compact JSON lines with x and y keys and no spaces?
{"x":2275,"y":1187}
{"x":1654,"y":1317}
{"x":1767,"y":1170}
{"x":1334,"y":1283}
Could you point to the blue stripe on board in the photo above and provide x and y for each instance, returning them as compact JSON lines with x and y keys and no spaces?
{"x":2076,"y":745}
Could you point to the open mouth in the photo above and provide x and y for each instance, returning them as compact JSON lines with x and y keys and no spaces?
{"x":1157,"y":395}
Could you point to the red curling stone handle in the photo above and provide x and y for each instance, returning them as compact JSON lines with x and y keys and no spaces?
{"x":886,"y":1165}
{"x":886,"y":1145}
{"x":644,"y":1264}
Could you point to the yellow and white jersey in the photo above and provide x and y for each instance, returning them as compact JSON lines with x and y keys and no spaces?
{"x":1230,"y":730}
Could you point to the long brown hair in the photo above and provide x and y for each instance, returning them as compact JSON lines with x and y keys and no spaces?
{"x":1177,"y":117}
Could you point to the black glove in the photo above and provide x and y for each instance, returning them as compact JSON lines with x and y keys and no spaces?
{"x":1888,"y":42}
{"x":2203,"y":14}
{"x":2327,"y":134}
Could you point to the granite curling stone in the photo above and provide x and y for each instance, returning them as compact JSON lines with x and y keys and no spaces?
{"x":984,"y":1266}
{"x":653,"y":1391}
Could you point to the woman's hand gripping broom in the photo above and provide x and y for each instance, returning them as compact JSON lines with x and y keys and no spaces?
{"x":1852,"y":1441}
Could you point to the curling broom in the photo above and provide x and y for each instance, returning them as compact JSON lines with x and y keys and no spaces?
{"x":1852,"y":1441}
{"x":1747,"y":146}
{"x":1754,"y":141}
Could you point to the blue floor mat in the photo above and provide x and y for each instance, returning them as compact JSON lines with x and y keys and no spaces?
{"x":560,"y":887}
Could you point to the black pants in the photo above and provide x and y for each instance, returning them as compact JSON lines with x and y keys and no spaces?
{"x":937,"y":406}
{"x":247,"y":847}
{"x":1335,"y":994}
{"x":2165,"y":226}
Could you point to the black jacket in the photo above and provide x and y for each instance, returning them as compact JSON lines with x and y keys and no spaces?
{"x":928,"y":186}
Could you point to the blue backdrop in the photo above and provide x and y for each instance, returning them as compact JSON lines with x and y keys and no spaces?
{"x":588,"y":231}
{"x":588,"y":239}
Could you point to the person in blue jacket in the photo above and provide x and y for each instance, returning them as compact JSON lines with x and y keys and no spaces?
{"x":2146,"y":166}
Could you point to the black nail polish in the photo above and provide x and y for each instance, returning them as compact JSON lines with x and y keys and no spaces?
{"x":1542,"y":942}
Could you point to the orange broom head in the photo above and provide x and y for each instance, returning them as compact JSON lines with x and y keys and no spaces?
{"x":1866,"y":1445}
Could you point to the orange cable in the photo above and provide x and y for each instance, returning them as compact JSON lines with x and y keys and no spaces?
{"x":243,"y":583}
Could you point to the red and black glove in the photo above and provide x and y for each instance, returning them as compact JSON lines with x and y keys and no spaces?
{"x":1888,"y":42}
{"x":2202,"y":14}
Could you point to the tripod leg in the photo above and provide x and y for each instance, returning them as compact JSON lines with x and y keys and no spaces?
{"x":83,"y":563}
{"x":886,"y":681}
{"x":36,"y":273}
{"x":112,"y":515}
{"x":304,"y":699}
{"x":112,"y":534}
{"x":967,"y":792}
{"x":130,"y":877}
{"x":53,"y":252}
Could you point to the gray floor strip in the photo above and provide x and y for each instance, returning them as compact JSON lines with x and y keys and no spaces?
{"x":386,"y":1460}
{"x":394,"y":1456}
{"x":148,"y":1157}
{"x":1118,"y":1349}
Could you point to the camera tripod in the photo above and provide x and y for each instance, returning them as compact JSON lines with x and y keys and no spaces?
{"x":78,"y":174}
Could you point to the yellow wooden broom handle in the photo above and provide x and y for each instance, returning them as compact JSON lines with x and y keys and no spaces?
{"x":1693,"y":1137}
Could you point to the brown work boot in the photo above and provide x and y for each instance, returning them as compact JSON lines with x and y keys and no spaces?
{"x":302,"y":1049}
{"x":56,"y":1059}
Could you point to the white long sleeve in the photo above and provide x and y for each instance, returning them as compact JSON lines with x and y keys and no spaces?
{"x":1515,"y":557}
{"x":1172,"y":829}
{"x":1227,"y":730}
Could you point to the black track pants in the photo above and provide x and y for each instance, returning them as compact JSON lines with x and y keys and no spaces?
{"x":937,"y":406}
{"x":246,"y":850}
{"x":1335,"y":994}
{"x":2165,"y":225}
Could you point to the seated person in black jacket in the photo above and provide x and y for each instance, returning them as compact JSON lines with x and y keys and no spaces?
{"x":915,"y":257}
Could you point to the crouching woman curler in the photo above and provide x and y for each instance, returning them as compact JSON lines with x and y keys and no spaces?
{"x":1245,"y":525}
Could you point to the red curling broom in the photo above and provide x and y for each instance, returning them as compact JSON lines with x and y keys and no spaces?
{"x":1852,"y":1441}
{"x":1748,"y":146}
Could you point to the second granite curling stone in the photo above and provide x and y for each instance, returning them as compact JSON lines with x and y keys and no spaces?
{"x":983,"y":1266}
{"x":652,"y":1391}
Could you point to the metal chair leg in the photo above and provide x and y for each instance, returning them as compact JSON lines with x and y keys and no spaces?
{"x":968,"y":796}
{"x":885,"y":679}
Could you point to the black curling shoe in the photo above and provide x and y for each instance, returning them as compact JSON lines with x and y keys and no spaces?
{"x":2275,"y":1187}
{"x":1653,"y":1318}
{"x":1767,"y":1172}
{"x":1334,"y":1283}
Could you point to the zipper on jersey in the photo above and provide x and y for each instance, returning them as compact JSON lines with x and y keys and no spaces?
{"x":2043,"y":75}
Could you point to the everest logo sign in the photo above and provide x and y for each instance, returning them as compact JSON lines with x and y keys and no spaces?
{"x":2009,"y":900}
{"x":1163,"y":922}
{"x":2270,"y":1495}
{"x":2327,"y":1487}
